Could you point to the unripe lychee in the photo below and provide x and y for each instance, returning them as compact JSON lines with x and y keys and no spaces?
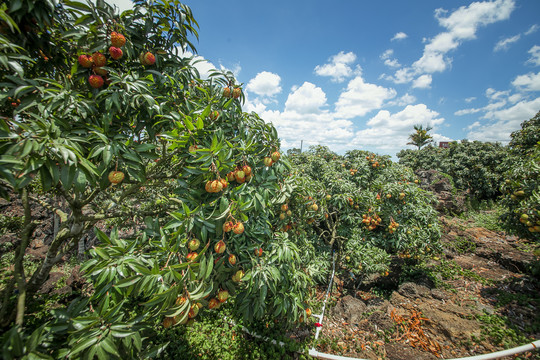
{"x":220,"y":247}
{"x":116,"y":53}
{"x":236,"y":93}
{"x":99,"y":59}
{"x":227,"y":92}
{"x":232,"y":259}
{"x":238,"y":228}
{"x":213,"y":303}
{"x":194,"y":244}
{"x":268,"y":161}
{"x":117,"y":40}
{"x":275,"y":156}
{"x":223,"y":295}
{"x":86,"y":61}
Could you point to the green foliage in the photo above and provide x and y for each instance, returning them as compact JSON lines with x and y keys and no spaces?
{"x":521,"y":189}
{"x":476,"y":167}
{"x":521,"y":197}
{"x":420,"y":137}
{"x":368,"y":209}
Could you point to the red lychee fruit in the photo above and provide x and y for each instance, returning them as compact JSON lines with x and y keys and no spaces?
{"x":95,"y":81}
{"x":117,"y":40}
{"x":116,"y":53}
{"x":86,"y":61}
{"x":99,"y":59}
{"x":147,"y":58}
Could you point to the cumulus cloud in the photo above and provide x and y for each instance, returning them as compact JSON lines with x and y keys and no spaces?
{"x":265,"y":84}
{"x":360,"y":98}
{"x":422,"y":82}
{"x":339,"y":67}
{"x":390,"y":131}
{"x":504,"y":121}
{"x":504,"y":44}
{"x":535,"y":56}
{"x":399,"y":36}
{"x":406,"y":99}
{"x":461,"y":25}
{"x":307,"y":99}
{"x":528,"y":82}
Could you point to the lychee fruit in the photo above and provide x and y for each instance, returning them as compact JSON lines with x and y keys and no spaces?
{"x":99,"y":59}
{"x":116,"y":53}
{"x":100,"y":71}
{"x":147,"y":58}
{"x":86,"y":61}
{"x":117,"y":40}
{"x":95,"y":81}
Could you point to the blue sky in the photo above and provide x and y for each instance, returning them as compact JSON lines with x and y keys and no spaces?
{"x":360,"y":74}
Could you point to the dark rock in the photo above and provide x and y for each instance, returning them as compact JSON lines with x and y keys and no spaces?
{"x":350,"y":309}
{"x":50,"y":284}
{"x":449,"y":201}
{"x":412,"y":290}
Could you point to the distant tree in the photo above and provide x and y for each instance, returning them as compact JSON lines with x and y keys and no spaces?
{"x":293,"y":151}
{"x":420,"y":137}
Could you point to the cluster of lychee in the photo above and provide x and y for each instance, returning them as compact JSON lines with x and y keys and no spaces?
{"x":234,"y":93}
{"x":240,"y":174}
{"x":393,"y":226}
{"x":371,"y":221}
{"x":97,"y":60}
{"x":215,"y":186}
{"x":273,"y":158}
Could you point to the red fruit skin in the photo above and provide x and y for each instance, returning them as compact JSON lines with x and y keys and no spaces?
{"x":148,"y":59}
{"x":100,"y":71}
{"x":86,"y":61}
{"x":236,"y":93}
{"x":116,"y":53}
{"x":232,"y":259}
{"x":95,"y":81}
{"x":99,"y":59}
{"x":117,"y":40}
{"x":227,"y":92}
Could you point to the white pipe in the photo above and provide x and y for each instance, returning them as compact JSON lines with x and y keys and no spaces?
{"x":499,"y":354}
{"x":496,"y":355}
{"x":320,"y":355}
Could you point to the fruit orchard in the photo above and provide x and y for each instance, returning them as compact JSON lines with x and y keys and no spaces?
{"x":110,"y":128}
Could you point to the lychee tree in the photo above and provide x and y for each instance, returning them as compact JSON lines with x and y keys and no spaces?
{"x":116,"y":127}
{"x":368,"y":210}
{"x":521,"y":190}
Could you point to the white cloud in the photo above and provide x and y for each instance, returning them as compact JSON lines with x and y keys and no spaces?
{"x":528,"y":82}
{"x":406,"y":99}
{"x":504,"y":44}
{"x":535,"y":56}
{"x":505,"y":121}
{"x":265,"y":84}
{"x":307,"y":99}
{"x":532,"y":29}
{"x":339,"y":67}
{"x":474,"y":125}
{"x":390,"y":132}
{"x":470,"y":99}
{"x":422,"y":82}
{"x":461,"y":25}
{"x":123,"y":5}
{"x":388,"y":61}
{"x":399,"y":36}
{"x":360,"y":98}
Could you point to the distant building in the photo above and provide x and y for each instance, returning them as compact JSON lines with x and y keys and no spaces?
{"x":443,"y":144}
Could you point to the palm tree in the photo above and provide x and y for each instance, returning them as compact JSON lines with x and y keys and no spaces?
{"x":420,"y":137}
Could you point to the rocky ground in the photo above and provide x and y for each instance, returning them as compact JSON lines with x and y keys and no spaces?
{"x":479,"y":297}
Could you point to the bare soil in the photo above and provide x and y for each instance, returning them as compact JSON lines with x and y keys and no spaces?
{"x":478,"y":297}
